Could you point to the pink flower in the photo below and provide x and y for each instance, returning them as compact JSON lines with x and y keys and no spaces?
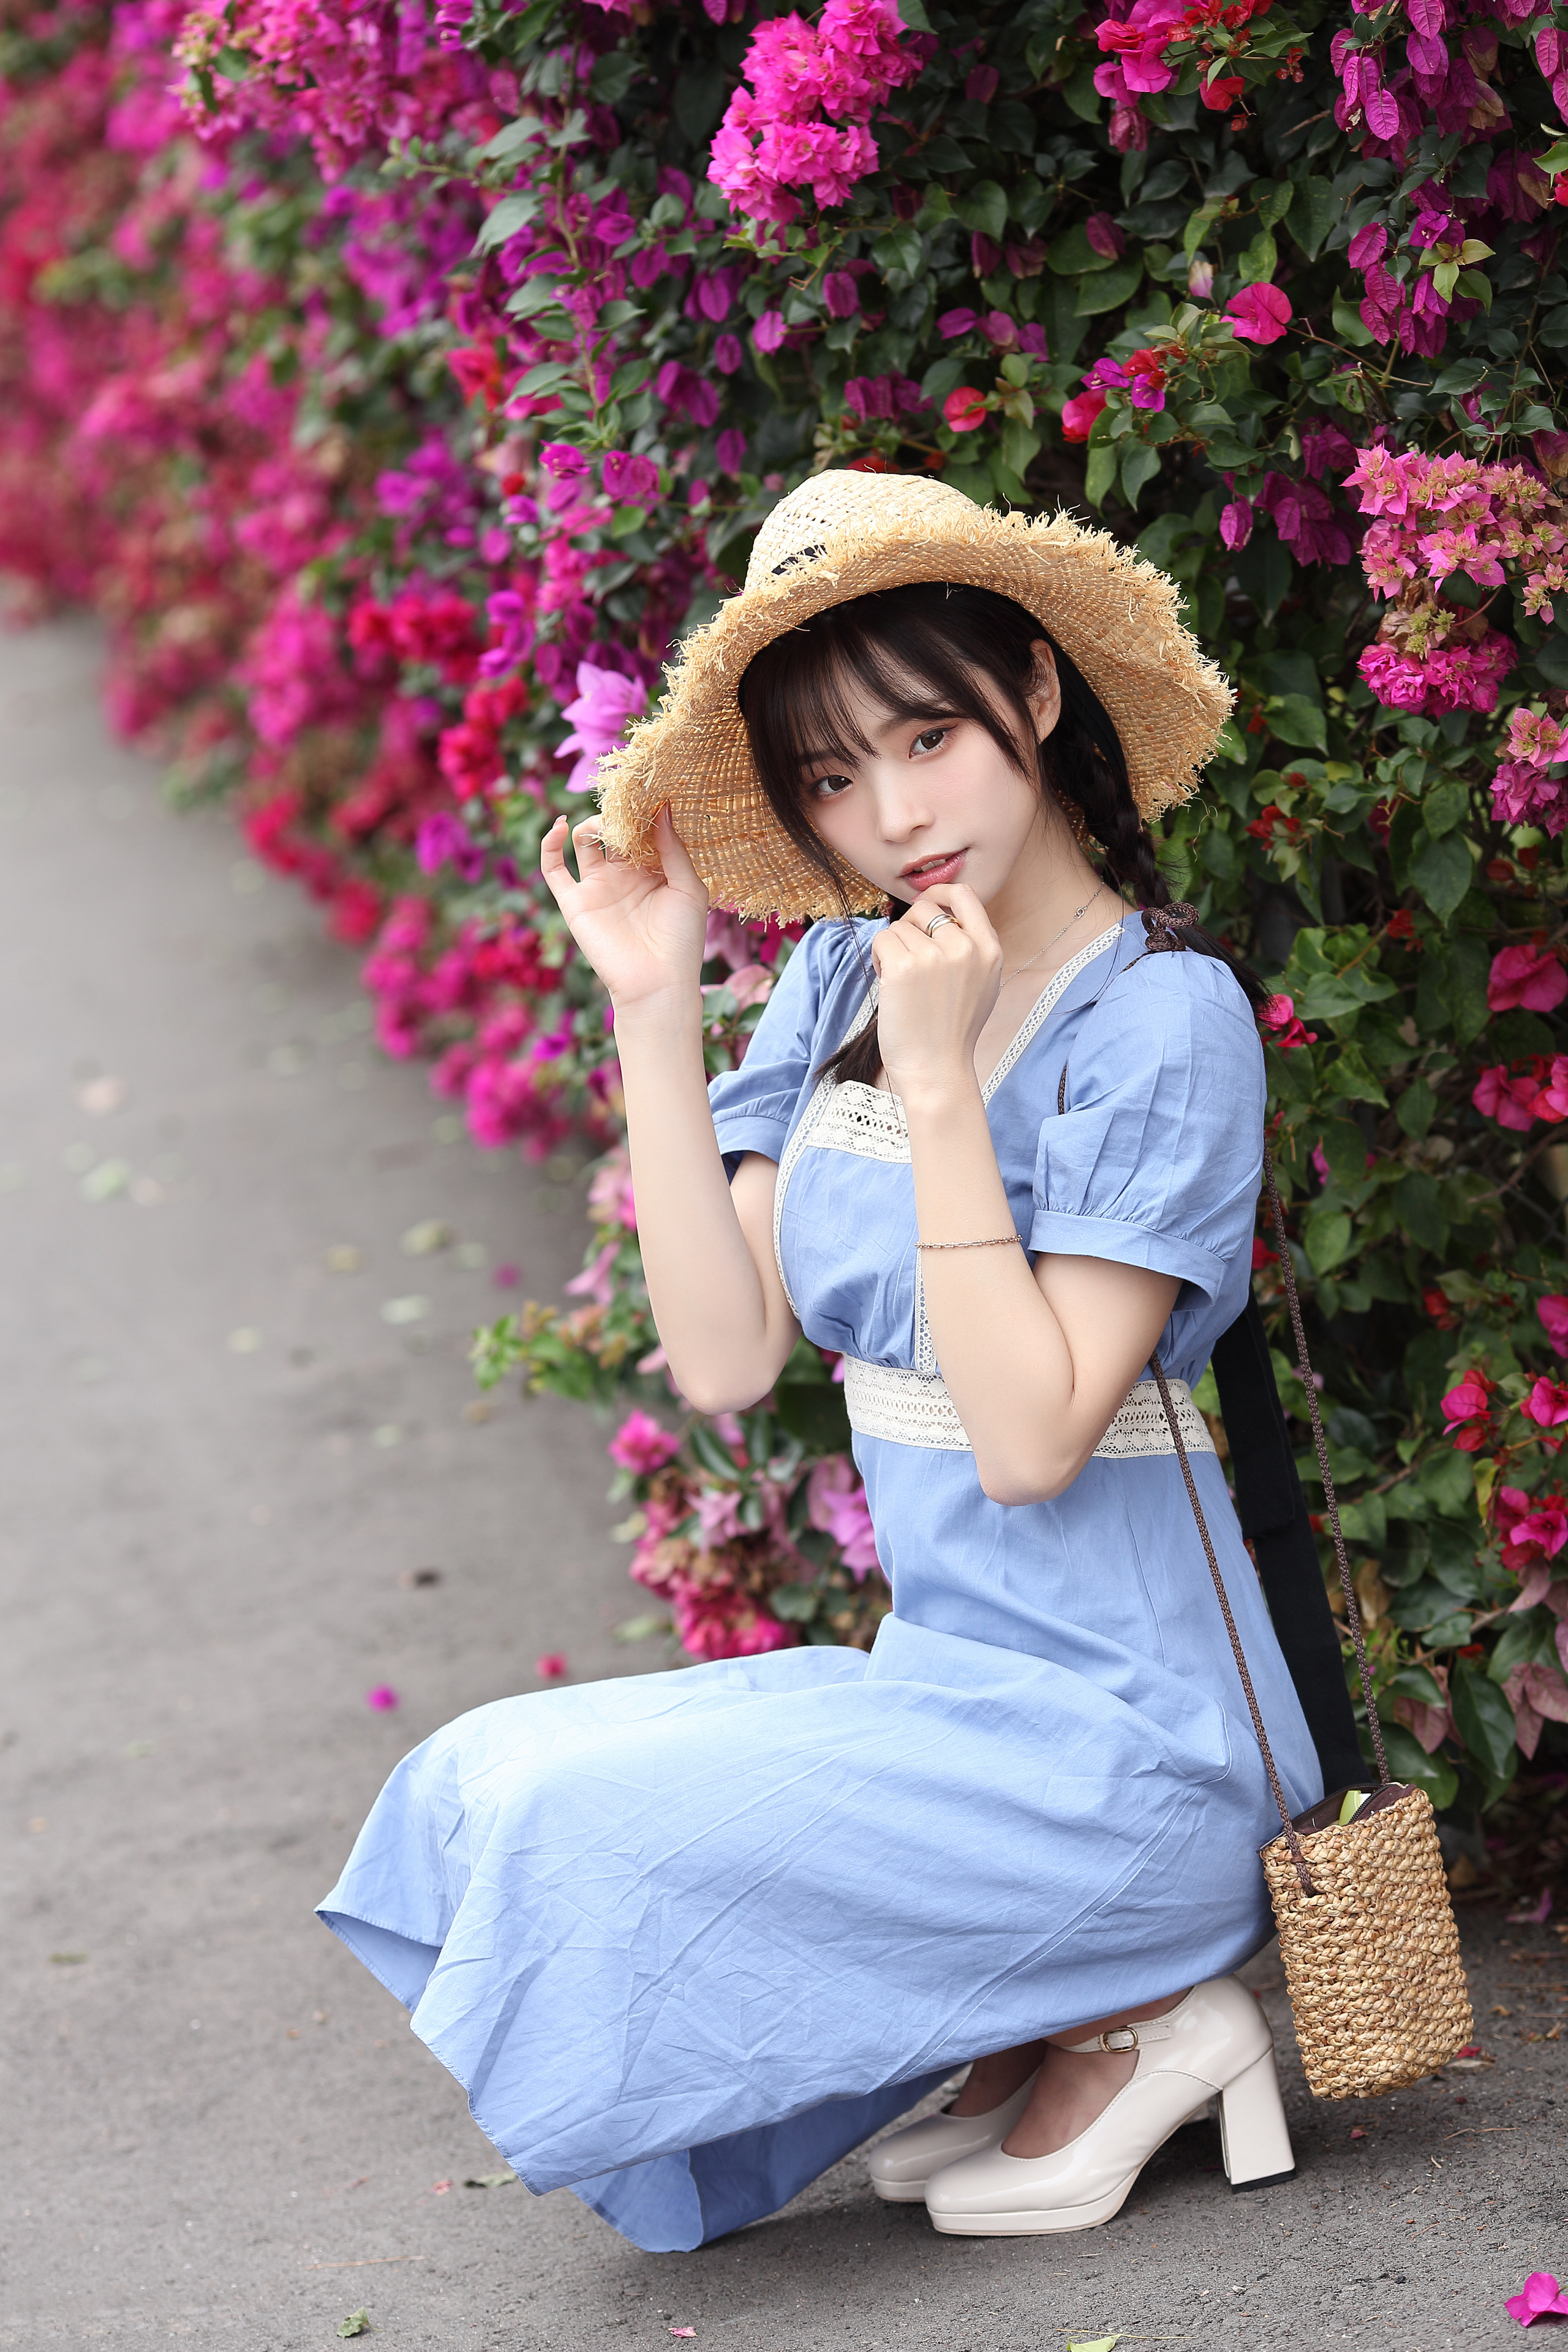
{"x":1532,"y":1528}
{"x":1279,"y":1013}
{"x":964,"y":409}
{"x":1467,"y":1408}
{"x":606,"y":700}
{"x":641,"y":1446}
{"x":840,"y":295}
{"x":1079,"y":413}
{"x":382,"y":1698}
{"x":1547,"y":1403}
{"x":1200,"y":278}
{"x":597,"y":1279}
{"x":1259,"y":314}
{"x":551,"y":1667}
{"x":769,"y":332}
{"x":610,"y":1201}
{"x":718,"y":1515}
{"x":836,"y":1504}
{"x":953,"y":323}
{"x":627,"y":480}
{"x":1104,"y":236}
{"x":1532,"y":977}
{"x":1553,"y":1313}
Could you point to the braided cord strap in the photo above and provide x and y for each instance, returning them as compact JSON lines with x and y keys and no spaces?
{"x":1331,"y":1503}
{"x":1291,"y":1839}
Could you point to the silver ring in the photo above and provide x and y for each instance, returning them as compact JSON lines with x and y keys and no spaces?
{"x":936,"y":923}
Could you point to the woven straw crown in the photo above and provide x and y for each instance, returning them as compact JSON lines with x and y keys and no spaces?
{"x":842,"y":535}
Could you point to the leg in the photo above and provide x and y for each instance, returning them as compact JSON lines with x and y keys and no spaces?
{"x":992,"y":2080}
{"x":1075,"y":2087}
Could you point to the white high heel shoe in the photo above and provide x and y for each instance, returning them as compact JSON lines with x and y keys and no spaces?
{"x":902,"y":2165}
{"x":1216,"y":2041}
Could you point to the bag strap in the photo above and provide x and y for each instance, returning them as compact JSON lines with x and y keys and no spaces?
{"x":1160,"y":924}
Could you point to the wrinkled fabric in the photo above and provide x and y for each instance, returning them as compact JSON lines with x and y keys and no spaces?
{"x":687,"y":1938}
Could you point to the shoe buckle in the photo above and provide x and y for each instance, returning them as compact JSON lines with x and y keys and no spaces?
{"x":1117,"y":2038}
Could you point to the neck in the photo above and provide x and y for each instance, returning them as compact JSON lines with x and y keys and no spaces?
{"x":1051,"y":880}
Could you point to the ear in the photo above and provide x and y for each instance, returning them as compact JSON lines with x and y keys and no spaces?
{"x":1045,"y":695}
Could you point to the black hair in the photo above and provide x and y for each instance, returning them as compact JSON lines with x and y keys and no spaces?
{"x":938,"y":646}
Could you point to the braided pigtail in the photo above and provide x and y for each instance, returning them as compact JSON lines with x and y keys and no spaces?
{"x":1088,"y":770}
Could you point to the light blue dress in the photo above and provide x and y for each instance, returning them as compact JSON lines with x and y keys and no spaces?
{"x":687,"y":1938}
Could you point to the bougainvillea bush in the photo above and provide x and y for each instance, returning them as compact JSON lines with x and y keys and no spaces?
{"x":398,"y":381}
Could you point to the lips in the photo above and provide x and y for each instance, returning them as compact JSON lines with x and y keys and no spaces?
{"x":927,"y":871}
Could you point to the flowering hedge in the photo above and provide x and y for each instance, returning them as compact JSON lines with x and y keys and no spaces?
{"x":399,"y":381}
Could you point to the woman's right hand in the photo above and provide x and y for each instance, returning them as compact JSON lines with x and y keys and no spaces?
{"x":643,"y":932}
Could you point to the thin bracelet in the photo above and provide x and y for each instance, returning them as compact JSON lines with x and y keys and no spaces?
{"x":998,"y":1241}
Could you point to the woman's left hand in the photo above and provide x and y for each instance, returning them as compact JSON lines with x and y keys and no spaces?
{"x":938,"y":989}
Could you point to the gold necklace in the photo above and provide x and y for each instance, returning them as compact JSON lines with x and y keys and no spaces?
{"x":1050,"y":943}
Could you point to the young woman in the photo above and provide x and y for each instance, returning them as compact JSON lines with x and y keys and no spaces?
{"x":688,"y":1939}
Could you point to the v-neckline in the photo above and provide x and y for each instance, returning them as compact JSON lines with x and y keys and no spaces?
{"x":1028,"y":1028}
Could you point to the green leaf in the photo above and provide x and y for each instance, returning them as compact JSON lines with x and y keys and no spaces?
{"x":356,"y":2324}
{"x":913,"y":13}
{"x":1415,"y":1107}
{"x":1416,"y":1205}
{"x":1444,"y":805}
{"x":1351,"y":1075}
{"x":1344,"y":1148}
{"x":1110,"y":289}
{"x":1257,"y":264}
{"x":1348,"y":324}
{"x":1517,"y":1645}
{"x":511,"y":213}
{"x":1441,"y":871}
{"x":1408,"y":1760}
{"x":984,"y":208}
{"x":698,"y":100}
{"x":814,"y":1413}
{"x":1081,"y":95}
{"x":1099,"y":475}
{"x":712,"y":1453}
{"x":1140,"y":464}
{"x":1327,"y":1235}
{"x":1483,"y":1718}
{"x":1298,"y":719}
{"x":1020,"y":446}
{"x":1072,"y":255}
{"x":614,"y":75}
{"x":1314,"y":209}
{"x":795,"y":1603}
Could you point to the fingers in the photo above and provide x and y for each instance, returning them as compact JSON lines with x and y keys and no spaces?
{"x":588,"y":842}
{"x":553,"y":864}
{"x":678,"y":870}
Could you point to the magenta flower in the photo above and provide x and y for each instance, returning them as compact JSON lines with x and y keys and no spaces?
{"x":382,"y":1698}
{"x":1104,"y":236}
{"x":964,"y":409}
{"x":953,"y":323}
{"x":1468,"y":1403}
{"x":1079,"y":413}
{"x":606,"y":700}
{"x":1538,"y":2295}
{"x":836,"y":1504}
{"x":1279,"y":1013}
{"x":628,"y":480}
{"x":610,"y":1196}
{"x":1236,"y":523}
{"x":1553,"y":1313}
{"x":1259,"y":314}
{"x":1531,"y":977}
{"x":728,"y":356}
{"x":731,"y":451}
{"x":769,"y":332}
{"x":1547,"y":1403}
{"x":641,"y":1446}
{"x":840,"y":295}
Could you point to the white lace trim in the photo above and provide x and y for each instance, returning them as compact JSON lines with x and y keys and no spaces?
{"x":866,"y":1120}
{"x":910,"y":1408}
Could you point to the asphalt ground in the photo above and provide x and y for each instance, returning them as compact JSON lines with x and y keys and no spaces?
{"x":239,"y":1432}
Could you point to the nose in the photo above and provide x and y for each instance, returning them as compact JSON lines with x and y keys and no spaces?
{"x":902,"y":809}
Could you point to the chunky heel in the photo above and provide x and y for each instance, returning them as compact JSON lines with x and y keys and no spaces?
{"x":1255,"y":2139}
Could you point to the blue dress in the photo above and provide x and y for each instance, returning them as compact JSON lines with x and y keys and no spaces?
{"x":687,"y":1938}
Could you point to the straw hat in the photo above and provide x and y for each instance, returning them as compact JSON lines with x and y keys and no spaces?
{"x":842,"y":535}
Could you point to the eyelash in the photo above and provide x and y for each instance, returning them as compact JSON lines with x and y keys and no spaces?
{"x":931,"y":737}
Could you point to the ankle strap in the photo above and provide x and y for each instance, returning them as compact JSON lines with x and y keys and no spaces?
{"x":1121,"y":2038}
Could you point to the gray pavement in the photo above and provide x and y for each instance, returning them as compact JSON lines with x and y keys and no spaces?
{"x":225,"y":1467}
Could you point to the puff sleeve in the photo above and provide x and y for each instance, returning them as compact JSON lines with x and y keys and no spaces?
{"x":1156,"y":1159}
{"x":754,"y":1107}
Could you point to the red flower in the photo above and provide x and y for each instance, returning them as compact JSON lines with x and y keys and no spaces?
{"x":1402,"y":927}
{"x":964,"y":409}
{"x":1436,"y":1305}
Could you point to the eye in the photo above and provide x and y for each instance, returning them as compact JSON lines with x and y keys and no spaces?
{"x":931,"y":740}
{"x":828,"y":788}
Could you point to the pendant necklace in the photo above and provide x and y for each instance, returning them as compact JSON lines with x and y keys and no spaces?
{"x":1071,"y":920}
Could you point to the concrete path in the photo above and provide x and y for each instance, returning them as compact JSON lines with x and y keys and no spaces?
{"x":228,"y":1472}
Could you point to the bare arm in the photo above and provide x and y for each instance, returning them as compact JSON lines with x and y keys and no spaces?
{"x":707,"y":1247}
{"x":1037,"y":1363}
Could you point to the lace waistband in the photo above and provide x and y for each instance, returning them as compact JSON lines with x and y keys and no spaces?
{"x":908,"y":1408}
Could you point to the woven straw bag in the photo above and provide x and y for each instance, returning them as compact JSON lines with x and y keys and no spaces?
{"x":1366,"y":1927}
